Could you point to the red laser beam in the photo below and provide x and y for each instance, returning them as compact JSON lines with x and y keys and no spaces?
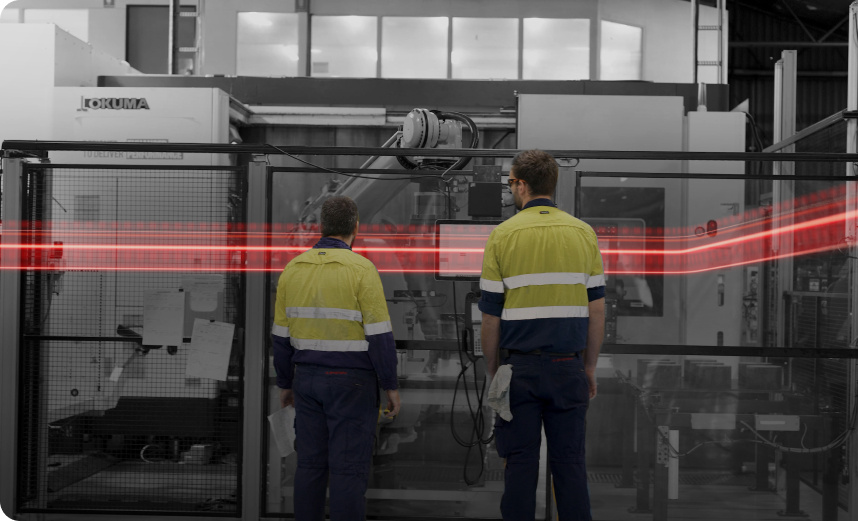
{"x":812,"y":224}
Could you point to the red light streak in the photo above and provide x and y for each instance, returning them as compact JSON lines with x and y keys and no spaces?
{"x":804,"y":227}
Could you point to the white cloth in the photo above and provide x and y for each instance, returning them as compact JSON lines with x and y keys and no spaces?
{"x":499,"y":392}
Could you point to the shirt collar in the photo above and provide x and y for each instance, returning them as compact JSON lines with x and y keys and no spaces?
{"x":330,"y":242}
{"x":542,"y":201}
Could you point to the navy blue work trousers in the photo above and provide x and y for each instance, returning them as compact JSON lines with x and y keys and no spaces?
{"x":550,"y":390}
{"x":336,"y":412}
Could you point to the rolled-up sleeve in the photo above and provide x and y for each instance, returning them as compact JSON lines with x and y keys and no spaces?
{"x":280,"y":344}
{"x":382,"y":353}
{"x":378,"y":329}
{"x":491,"y":282}
{"x":283,"y":365}
{"x":596,"y":278}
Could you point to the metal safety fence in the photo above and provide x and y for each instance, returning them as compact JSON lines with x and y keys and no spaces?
{"x":131,"y":364}
{"x":122,"y":409}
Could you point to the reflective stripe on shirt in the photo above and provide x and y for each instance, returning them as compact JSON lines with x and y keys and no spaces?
{"x":495,"y":286}
{"x":338,"y":313}
{"x":330,"y":345}
{"x":377,"y":328}
{"x":545,"y":312}
{"x":280,"y":331}
{"x":544,"y":279}
{"x":595,"y":281}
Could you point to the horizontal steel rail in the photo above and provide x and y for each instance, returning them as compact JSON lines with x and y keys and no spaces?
{"x":265,"y":149}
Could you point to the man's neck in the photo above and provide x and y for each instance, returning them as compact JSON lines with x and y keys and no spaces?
{"x":346,"y":239}
{"x":526,"y":199}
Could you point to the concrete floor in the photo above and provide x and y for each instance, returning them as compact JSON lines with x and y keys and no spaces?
{"x":703,"y":495}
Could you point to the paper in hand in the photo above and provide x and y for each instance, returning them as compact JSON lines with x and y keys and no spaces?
{"x":282,"y":425}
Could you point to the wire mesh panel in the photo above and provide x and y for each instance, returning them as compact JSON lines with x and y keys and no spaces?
{"x":824,"y":321}
{"x":131,"y":376}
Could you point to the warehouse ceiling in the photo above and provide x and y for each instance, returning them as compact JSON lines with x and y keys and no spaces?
{"x":818,"y":17}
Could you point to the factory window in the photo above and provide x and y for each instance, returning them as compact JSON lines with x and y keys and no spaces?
{"x":620,"y":51}
{"x":148,"y":36}
{"x":556,"y":49}
{"x":267,"y":44}
{"x":485,"y":48}
{"x":72,"y":21}
{"x":414,"y":47}
{"x":344,"y":46}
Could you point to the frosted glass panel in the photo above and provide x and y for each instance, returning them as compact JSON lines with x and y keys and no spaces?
{"x":485,"y":48}
{"x":72,"y":21}
{"x":620,"y":55}
{"x":556,"y":49}
{"x":414,"y":47}
{"x":267,"y":44}
{"x":344,"y":46}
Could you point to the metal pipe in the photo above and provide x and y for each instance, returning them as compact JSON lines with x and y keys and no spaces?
{"x":695,"y":16}
{"x":173,"y":57}
{"x":816,"y":127}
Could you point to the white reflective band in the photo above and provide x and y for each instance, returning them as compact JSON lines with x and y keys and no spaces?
{"x":543,"y":279}
{"x":595,"y":281}
{"x":377,"y":328}
{"x":343,"y":314}
{"x":313,"y":344}
{"x":280,"y":331}
{"x":495,"y":286}
{"x":545,"y":312}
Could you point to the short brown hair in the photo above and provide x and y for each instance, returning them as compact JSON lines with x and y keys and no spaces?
{"x":538,"y":169}
{"x":339,"y":217}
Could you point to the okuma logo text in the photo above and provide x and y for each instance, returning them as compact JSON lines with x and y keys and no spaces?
{"x":113,"y":104}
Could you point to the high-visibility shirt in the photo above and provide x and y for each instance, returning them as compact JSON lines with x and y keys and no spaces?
{"x":330,"y":310}
{"x":541,"y":268}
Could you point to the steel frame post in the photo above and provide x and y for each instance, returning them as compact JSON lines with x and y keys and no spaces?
{"x":254,"y":347}
{"x":782,"y":191}
{"x":851,"y":233}
{"x":10,"y":291}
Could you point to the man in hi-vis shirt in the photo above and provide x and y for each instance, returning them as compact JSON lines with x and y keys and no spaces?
{"x":543,"y":304}
{"x":333,"y":345}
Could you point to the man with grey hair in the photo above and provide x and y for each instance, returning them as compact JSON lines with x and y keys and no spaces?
{"x":333,"y":344}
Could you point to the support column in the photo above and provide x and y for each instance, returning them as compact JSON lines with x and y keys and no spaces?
{"x":10,"y":292}
{"x":782,"y":191}
{"x":852,"y":238}
{"x":173,"y":58}
{"x":660,"y":478}
{"x":254,"y":346}
{"x":645,"y":447}
{"x":793,"y":483}
{"x":628,"y":480}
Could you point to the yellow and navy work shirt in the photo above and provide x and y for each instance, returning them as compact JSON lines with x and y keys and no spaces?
{"x":330,"y":311}
{"x":540,"y":270}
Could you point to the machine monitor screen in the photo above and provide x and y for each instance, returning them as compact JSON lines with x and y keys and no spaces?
{"x":459,"y":248}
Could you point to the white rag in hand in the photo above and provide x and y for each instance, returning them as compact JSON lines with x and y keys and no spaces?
{"x":499,"y":392}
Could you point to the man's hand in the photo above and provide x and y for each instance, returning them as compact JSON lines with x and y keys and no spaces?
{"x":286,"y":398}
{"x":591,"y":381}
{"x":393,"y":403}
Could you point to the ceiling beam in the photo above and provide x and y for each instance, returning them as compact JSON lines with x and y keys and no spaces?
{"x":836,"y":27}
{"x":798,"y":20}
{"x":788,"y":45}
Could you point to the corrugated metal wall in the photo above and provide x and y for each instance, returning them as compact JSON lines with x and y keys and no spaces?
{"x":821,"y":89}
